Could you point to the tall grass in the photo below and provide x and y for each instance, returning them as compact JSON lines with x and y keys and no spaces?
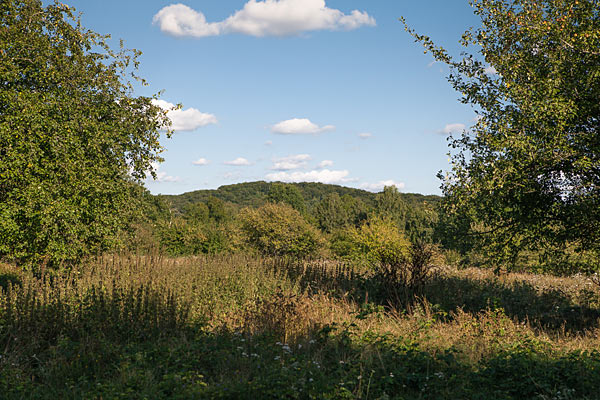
{"x":147,"y":326}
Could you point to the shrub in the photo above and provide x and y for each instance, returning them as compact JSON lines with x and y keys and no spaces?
{"x":381,"y":242}
{"x":279,"y":230}
{"x":400,"y":267}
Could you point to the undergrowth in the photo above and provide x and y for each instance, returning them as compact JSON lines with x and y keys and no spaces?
{"x":146,"y":327}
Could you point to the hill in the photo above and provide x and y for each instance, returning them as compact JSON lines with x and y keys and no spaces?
{"x":254,"y":194}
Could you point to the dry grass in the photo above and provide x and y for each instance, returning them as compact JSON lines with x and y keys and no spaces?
{"x":470,"y":313}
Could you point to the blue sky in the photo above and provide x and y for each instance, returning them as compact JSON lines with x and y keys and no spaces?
{"x":295,"y":90}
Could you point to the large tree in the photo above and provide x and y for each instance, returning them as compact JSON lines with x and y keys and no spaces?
{"x":527,"y":175}
{"x":74,"y":140}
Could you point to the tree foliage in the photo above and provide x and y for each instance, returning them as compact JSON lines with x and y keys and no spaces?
{"x":527,"y":175}
{"x":288,"y":194}
{"x":335,"y":212}
{"x":73,"y":138}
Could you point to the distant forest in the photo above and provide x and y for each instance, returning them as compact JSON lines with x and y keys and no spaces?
{"x":256,"y":194}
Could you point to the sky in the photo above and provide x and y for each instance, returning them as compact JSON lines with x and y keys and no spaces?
{"x":331,"y":91}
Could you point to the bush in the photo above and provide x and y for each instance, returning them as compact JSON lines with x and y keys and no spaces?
{"x":401,"y":267}
{"x":381,"y":242}
{"x":279,"y":230}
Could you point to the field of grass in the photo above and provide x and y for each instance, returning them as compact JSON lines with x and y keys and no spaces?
{"x":237,"y":327}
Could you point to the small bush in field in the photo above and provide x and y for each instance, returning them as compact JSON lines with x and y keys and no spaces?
{"x":381,"y":242}
{"x":401,"y":267}
{"x":279,"y":230}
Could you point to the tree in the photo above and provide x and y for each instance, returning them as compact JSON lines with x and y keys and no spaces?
{"x":74,"y":141}
{"x":389,"y":204}
{"x":288,"y":194}
{"x":217,"y":211}
{"x":335,"y":212}
{"x":527,"y":175}
{"x":330,"y":213}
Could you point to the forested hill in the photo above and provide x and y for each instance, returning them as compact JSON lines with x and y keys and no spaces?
{"x":255,"y":194}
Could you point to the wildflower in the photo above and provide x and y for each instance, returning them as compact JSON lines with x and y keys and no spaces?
{"x":391,"y":375}
{"x":439,"y":375}
{"x":277,"y":358}
{"x":285,"y":347}
{"x":311,"y":341}
{"x":310,"y":379}
{"x":359,"y":377}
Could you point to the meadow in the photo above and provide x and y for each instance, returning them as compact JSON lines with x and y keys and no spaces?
{"x":136,"y":326}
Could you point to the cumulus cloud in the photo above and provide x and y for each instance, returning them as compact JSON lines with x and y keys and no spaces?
{"x":201,"y":161}
{"x":160,"y":175}
{"x":261,"y":18}
{"x":238,"y":162}
{"x":365,"y":135}
{"x":452,"y":128}
{"x":185,"y":120}
{"x":299,"y":126}
{"x":290,"y":162}
{"x":232,"y":176}
{"x":325,"y":163}
{"x":491,"y":70}
{"x":322,"y":176}
{"x":378,"y":186}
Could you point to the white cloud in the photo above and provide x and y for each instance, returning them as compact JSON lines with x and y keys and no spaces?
{"x":268,"y":143}
{"x":378,"y":186}
{"x":299,"y":126}
{"x":232,"y":176}
{"x":201,"y":161}
{"x":365,"y":135}
{"x":322,"y":176}
{"x":325,"y":163}
{"x":491,"y":70}
{"x":261,"y":18}
{"x":185,"y":120}
{"x":181,"y":20}
{"x":160,"y":175}
{"x":238,"y":162}
{"x":290,"y":162}
{"x":453,"y":128}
